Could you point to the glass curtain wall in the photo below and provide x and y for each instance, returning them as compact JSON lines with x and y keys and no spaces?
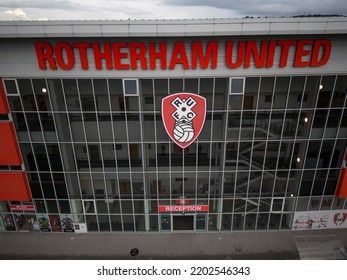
{"x":101,"y":156}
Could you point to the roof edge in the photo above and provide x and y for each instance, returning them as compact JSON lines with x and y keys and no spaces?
{"x":161,"y":28}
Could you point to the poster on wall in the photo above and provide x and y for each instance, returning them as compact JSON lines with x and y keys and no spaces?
{"x":67,"y":223}
{"x":310,"y":220}
{"x":44,"y":222}
{"x":338,"y":219}
{"x":9,"y":223}
{"x":81,"y":228}
{"x":55,"y":223}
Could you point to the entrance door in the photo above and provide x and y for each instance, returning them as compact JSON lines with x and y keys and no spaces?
{"x":200,"y":223}
{"x":165,"y":223}
{"x":183,"y":222}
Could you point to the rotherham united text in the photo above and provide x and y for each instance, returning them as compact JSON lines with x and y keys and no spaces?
{"x":152,"y":56}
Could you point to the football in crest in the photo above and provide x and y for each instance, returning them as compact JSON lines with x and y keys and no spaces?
{"x":184,"y":117}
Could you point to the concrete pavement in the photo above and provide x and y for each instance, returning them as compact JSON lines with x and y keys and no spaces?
{"x":176,"y":245}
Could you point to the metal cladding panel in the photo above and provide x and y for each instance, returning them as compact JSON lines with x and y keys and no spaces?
{"x":9,"y":150}
{"x":3,"y":103}
{"x":14,"y":186}
{"x":342,"y":185}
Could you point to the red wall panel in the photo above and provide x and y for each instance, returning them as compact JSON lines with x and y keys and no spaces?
{"x":14,"y":186}
{"x":342,"y":185}
{"x":3,"y":103}
{"x":9,"y":149}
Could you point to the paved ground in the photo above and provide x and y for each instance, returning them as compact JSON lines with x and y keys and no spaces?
{"x":177,"y":245}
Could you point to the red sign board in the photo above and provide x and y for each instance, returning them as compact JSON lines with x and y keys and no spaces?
{"x":183,"y":116}
{"x":183,"y":208}
{"x":22,"y":207}
{"x":155,"y":55}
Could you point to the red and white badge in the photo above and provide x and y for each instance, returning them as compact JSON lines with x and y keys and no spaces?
{"x":184,"y":117}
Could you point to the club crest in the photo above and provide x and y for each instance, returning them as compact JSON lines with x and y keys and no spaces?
{"x":184,"y":117}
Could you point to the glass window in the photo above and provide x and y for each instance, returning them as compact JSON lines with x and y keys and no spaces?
{"x":251,"y":93}
{"x":206,"y":90}
{"x":237,"y":85}
{"x":133,"y":122}
{"x":15,"y":103}
{"x":262,"y":125}
{"x":64,"y":206}
{"x":105,"y":126}
{"x":11,"y":86}
{"x":147,"y":94}
{"x":92,"y":223}
{"x":47,"y":185}
{"x":319,"y":121}
{"x":41,"y":93}
{"x":205,"y":133}
{"x":104,"y":223}
{"x":340,"y":91}
{"x":73,"y":185}
{"x":296,"y":92}
{"x":226,"y":221}
{"x":247,"y":125}
{"x":161,"y":87}
{"x":71,"y":95}
{"x":130,"y":86}
{"x":276,"y":125}
{"x":281,"y":92}
{"x":325,"y":91}
{"x":238,"y":220}
{"x":262,"y":222}
{"x":21,"y":127}
{"x":235,"y":102}
{"x":218,"y":127}
{"x":91,"y":127}
{"x":234,"y":120}
{"x":52,"y":206}
{"x":116,"y":94}
{"x":333,"y":123}
{"x":311,"y":92}
{"x":220,"y":94}
{"x":176,"y":85}
{"x":266,"y":97}
{"x":250,"y":221}
{"x":289,"y":125}
{"x":35,"y":186}
{"x":191,"y":85}
{"x":101,"y":94}
{"x":56,"y":94}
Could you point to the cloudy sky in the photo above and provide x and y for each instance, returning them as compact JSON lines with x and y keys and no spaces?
{"x":163,"y":9}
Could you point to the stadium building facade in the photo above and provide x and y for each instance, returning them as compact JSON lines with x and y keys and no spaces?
{"x":84,"y":147}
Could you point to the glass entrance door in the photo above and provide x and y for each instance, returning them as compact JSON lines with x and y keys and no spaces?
{"x":165,"y":223}
{"x":200,"y":222}
{"x":183,"y":222}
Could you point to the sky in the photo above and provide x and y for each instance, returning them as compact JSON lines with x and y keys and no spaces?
{"x":163,"y":9}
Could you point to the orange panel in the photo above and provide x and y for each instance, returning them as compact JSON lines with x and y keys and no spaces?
{"x":3,"y":103}
{"x":342,"y":185}
{"x":9,"y":149}
{"x":14,"y":186}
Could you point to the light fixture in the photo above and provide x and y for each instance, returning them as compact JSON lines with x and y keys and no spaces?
{"x":306,"y":119}
{"x":298,"y":159}
{"x":321,"y":87}
{"x":291,"y":195}
{"x":44,"y":90}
